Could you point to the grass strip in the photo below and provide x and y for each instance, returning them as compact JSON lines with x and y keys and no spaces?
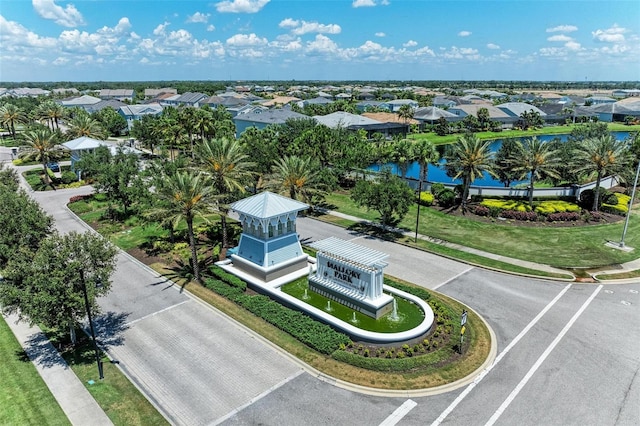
{"x":118,"y":397}
{"x":25,"y":399}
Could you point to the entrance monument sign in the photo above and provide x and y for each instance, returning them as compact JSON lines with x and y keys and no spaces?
{"x":352,"y":275}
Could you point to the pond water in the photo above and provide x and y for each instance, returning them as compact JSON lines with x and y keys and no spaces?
{"x":438,"y":174}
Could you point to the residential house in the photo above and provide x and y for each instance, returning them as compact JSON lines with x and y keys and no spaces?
{"x":368,"y":105}
{"x":345,"y":120}
{"x":119,"y":94}
{"x":263,"y":118}
{"x":610,"y":112}
{"x":280,"y":100}
{"x":113,"y":103}
{"x":625,"y":93}
{"x":226,"y":102}
{"x":24,"y":92}
{"x":394,"y":105}
{"x":84,"y":145}
{"x":194,"y":99}
{"x":515,"y":109}
{"x":132,"y":113}
{"x":79,"y":101}
{"x":314,"y":101}
{"x":432,"y":114}
{"x":597,"y":100}
{"x":495,"y":114}
{"x":153,"y":93}
{"x":444,"y":102}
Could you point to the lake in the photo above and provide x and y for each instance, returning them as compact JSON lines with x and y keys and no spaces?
{"x":437,"y":174}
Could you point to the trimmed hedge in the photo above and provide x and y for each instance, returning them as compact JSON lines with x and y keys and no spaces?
{"x":228,"y":278}
{"x":394,"y":364}
{"x":426,"y":198}
{"x":312,"y":333}
{"x":621,"y":207}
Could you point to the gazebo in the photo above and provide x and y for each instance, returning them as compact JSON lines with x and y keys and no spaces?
{"x":269,"y":246}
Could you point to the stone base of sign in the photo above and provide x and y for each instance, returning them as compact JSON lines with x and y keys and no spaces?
{"x":374,"y":308}
{"x":272,"y":272}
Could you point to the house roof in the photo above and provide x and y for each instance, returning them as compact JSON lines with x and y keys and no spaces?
{"x":473,"y":110}
{"x":156,"y":92}
{"x":80,"y":100}
{"x":83,"y":142}
{"x":266,"y":205}
{"x":113,"y":103}
{"x":431,"y":113}
{"x":344,"y":119}
{"x":350,"y":251}
{"x":116,"y":92}
{"x":190,"y":97}
{"x":388,"y":117}
{"x":611,"y":108}
{"x":280,"y":100}
{"x":141,"y":109}
{"x":270,"y":116}
{"x":517,"y":108}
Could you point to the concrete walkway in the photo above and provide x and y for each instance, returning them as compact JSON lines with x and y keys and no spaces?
{"x":74,"y":399}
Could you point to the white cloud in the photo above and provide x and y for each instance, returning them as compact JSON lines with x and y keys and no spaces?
{"x":322,"y":44}
{"x":614,"y":34}
{"x":241,"y":6}
{"x":198,"y":18}
{"x":559,"y":37}
{"x":468,"y":51}
{"x":563,"y":29}
{"x":210,"y":28}
{"x":380,"y":34}
{"x":159,"y":30}
{"x":363,"y":3}
{"x":492,"y":46}
{"x":67,"y":17}
{"x":410,"y":43}
{"x":14,"y":37}
{"x":289,"y":23}
{"x":573,"y":45}
{"x":464,"y":33}
{"x":243,"y":40}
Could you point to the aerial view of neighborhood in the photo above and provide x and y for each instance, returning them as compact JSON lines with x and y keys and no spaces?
{"x":312,"y":212}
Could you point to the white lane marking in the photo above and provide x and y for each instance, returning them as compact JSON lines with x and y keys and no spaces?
{"x":399,"y":413}
{"x":505,"y":351}
{"x":452,"y":278}
{"x":258,"y":397}
{"x":540,"y":360}
{"x":156,"y":312}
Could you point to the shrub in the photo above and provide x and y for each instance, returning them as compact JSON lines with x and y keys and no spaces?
{"x":68,"y":177}
{"x":436,"y":189}
{"x":426,"y":198}
{"x":482,"y":210}
{"x":519,"y":215}
{"x":616,"y":204}
{"x":76,"y":198}
{"x":587,"y":196}
{"x":228,"y":278}
{"x":556,"y":206}
{"x":17,"y":162}
{"x":446,"y":198}
{"x":563,"y":217}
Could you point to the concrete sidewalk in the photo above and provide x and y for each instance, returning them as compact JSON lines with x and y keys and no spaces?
{"x":74,"y":399}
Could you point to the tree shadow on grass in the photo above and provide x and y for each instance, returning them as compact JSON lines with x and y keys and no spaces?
{"x":370,"y":230}
{"x":182,"y":273}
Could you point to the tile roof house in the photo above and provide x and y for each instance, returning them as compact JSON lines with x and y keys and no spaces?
{"x":344,"y":120}
{"x":394,"y":105}
{"x":119,"y":94}
{"x":132,"y":113}
{"x":194,"y":99}
{"x":515,"y":109}
{"x":79,"y":101}
{"x":280,"y":100}
{"x":431,"y":114}
{"x":152,"y":93}
{"x":113,"y":103}
{"x":262,"y":119}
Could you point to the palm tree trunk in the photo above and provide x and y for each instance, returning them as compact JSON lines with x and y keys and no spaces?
{"x":223,"y":222}
{"x":531,"y":189}
{"x":596,"y":193}
{"x":194,"y":254}
{"x":47,"y":181}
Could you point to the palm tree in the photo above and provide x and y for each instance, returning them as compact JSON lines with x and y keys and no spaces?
{"x":228,"y":170}
{"x":402,"y":155}
{"x":468,"y":159}
{"x":536,"y":159}
{"x":83,"y":125}
{"x":10,"y":115}
{"x":406,"y":114}
{"x":51,"y":113}
{"x":600,"y":156}
{"x":184,"y":196}
{"x":296,"y":177}
{"x":40,"y":145}
{"x":425,"y":153}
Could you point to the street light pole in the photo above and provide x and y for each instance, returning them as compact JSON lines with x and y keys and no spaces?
{"x":93,"y":333}
{"x":633,"y":194}
{"x":418,"y":215}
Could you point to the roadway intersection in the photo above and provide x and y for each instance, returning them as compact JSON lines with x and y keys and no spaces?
{"x":567,"y":353}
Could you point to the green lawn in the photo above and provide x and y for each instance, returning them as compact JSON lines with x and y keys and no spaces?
{"x":24,"y":397}
{"x":561,"y":247}
{"x":552,"y":130}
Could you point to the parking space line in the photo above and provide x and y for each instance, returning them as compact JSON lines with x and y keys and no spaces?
{"x":399,"y":413}
{"x":502,"y":354}
{"x":453,"y":278}
{"x":540,"y":360}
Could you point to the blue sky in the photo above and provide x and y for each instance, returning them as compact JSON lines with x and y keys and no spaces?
{"x":124,"y":40}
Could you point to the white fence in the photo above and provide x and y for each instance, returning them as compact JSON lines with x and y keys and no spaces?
{"x":495,"y":191}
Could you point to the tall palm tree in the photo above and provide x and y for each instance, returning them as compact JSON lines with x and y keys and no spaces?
{"x":184,"y":196}
{"x":403,"y":155}
{"x":40,"y":144}
{"x":534,"y":158}
{"x":84,"y":125}
{"x":406,"y":113}
{"x":296,"y":177}
{"x":425,"y":153}
{"x":468,"y":159}
{"x":51,"y":113}
{"x":228,"y":170}
{"x":10,"y":115}
{"x":600,"y":156}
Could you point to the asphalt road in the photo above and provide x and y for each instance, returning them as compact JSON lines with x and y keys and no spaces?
{"x":568,"y":354}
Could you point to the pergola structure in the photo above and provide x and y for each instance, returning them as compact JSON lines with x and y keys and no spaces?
{"x":269,"y":246}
